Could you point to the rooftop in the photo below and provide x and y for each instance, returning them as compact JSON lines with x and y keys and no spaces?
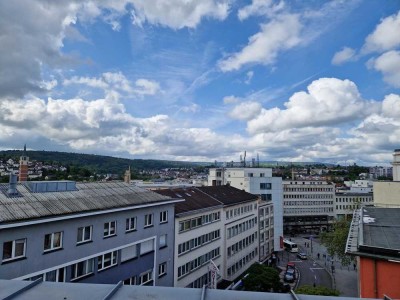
{"x":86,"y":197}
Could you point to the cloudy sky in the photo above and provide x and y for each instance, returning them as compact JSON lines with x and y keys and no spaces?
{"x":202,"y":80}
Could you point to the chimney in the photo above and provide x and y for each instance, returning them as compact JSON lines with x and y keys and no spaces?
{"x":12,"y":189}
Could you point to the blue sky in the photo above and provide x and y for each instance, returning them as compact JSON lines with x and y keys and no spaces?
{"x":203,"y":80}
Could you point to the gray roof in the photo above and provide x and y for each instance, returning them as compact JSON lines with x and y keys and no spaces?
{"x":87,"y":197}
{"x":21,"y":290}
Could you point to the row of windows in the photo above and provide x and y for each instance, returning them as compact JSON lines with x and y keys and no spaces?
{"x":265,"y":223}
{"x":307,"y":203}
{"x":266,"y":235}
{"x":242,"y":244}
{"x":266,"y":197}
{"x":307,"y":210}
{"x":198,"y":262}
{"x":199,"y":241}
{"x":103,"y":262}
{"x":308,"y":196}
{"x":306,"y":189}
{"x":362,"y":199}
{"x":266,"y":210}
{"x":242,"y":227}
{"x":205,"y":279}
{"x":265,"y":186}
{"x":242,"y":262}
{"x":54,"y":241}
{"x":354,"y":206}
{"x":198,"y":221}
{"x":235,"y":212}
{"x":146,"y":278}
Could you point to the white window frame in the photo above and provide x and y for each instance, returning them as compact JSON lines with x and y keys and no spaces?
{"x":165,"y":244}
{"x":149,"y":274}
{"x":148,"y":220}
{"x":87,"y":264}
{"x":52,"y":240}
{"x":59,"y":271}
{"x":132,"y":281}
{"x":130,"y":224}
{"x":101,"y":260}
{"x":164,"y":216}
{"x":107,"y":231}
{"x":84,"y":229}
{"x":162,"y":269}
{"x":13,"y":248}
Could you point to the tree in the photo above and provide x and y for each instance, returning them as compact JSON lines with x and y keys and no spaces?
{"x":335,"y":241}
{"x":318,"y":290}
{"x":262,"y":279}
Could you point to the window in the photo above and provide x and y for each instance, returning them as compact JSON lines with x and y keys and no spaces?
{"x":82,"y":268}
{"x":146,"y":247}
{"x":84,"y":234}
{"x":14,"y":249}
{"x":106,"y":260}
{"x":130,"y":224}
{"x":146,"y":277}
{"x":110,"y":228}
{"x":162,"y":269}
{"x":55,"y":275}
{"x":131,"y":281}
{"x":163,"y":241}
{"x":53,"y":241}
{"x":266,"y":197}
{"x":262,"y":174}
{"x":148,"y":220}
{"x":265,"y":186}
{"x":164,"y":216}
{"x":128,"y":253}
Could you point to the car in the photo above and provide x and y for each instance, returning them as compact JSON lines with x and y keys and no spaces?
{"x":302,"y":255}
{"x":290,"y":275}
{"x":290,"y":265}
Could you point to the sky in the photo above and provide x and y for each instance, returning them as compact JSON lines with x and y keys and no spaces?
{"x":300,"y":81}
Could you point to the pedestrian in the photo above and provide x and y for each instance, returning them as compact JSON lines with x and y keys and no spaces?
{"x":354,"y":265}
{"x":318,"y":255}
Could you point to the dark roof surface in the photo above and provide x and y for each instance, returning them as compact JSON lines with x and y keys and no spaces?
{"x":198,"y":198}
{"x":381,"y":227}
{"x":92,"y":196}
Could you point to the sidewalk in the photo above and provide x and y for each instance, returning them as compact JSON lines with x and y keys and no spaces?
{"x":344,"y":278}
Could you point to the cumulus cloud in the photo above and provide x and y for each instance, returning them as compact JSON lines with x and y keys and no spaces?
{"x":280,"y":34}
{"x":178,"y":14}
{"x":260,"y":8}
{"x":246,"y":110}
{"x":147,"y":87}
{"x":328,"y":101}
{"x":344,"y":55}
{"x":385,"y":36}
{"x":389,"y":65}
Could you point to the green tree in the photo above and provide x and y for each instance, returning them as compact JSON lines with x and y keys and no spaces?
{"x":262,"y":279}
{"x":318,"y":290}
{"x":335,"y":241}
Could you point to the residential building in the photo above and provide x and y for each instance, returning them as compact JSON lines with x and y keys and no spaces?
{"x":307,"y":206}
{"x":347,"y":202}
{"x":214,"y":223}
{"x":361,"y":186}
{"x":381,"y":171}
{"x":374,"y":241}
{"x":387,"y":193}
{"x":257,"y":181}
{"x":86,"y":232}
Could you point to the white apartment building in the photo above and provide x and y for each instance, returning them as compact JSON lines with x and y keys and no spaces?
{"x":346,"y":203}
{"x":361,"y":186}
{"x":266,"y":229}
{"x":257,"y":181}
{"x":213,"y":223}
{"x":307,"y":206}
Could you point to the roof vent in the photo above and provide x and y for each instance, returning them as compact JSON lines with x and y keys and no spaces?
{"x":12,"y":188}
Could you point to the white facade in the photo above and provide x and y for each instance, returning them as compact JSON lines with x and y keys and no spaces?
{"x":346,"y":203}
{"x":396,"y":165}
{"x":361,"y":186}
{"x":266,"y":229}
{"x":257,"y":181}
{"x":307,"y":205}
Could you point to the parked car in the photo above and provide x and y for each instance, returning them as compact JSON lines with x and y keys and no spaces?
{"x":302,"y":255}
{"x":290,"y":275}
{"x":290,"y":265}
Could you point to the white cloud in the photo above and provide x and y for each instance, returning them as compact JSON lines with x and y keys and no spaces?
{"x":260,"y":8}
{"x":389,"y":65}
{"x":245,"y":110}
{"x":280,"y":34}
{"x":178,"y":14}
{"x":147,"y":87}
{"x":385,"y":36}
{"x":191,"y":108}
{"x":391,"y":106}
{"x":230,"y":99}
{"x":249,"y":77}
{"x":344,"y":55}
{"x":329,"y":101}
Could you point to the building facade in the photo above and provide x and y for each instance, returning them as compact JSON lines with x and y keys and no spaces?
{"x":346,"y":203}
{"x":257,"y":181}
{"x":218,"y":224}
{"x":307,"y":206}
{"x":86,"y":232}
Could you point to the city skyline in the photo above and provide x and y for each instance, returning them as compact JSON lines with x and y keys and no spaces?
{"x":203,"y":81}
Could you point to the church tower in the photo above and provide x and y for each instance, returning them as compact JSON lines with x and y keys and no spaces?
{"x":127,"y":176}
{"x":23,"y":166}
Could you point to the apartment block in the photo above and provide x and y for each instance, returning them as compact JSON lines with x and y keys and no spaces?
{"x":307,"y":206}
{"x":346,"y":203}
{"x":257,"y":181}
{"x":86,"y":232}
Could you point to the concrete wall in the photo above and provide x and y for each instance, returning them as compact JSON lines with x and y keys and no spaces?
{"x":387,"y":193}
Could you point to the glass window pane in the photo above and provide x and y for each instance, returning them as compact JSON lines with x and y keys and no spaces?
{"x":7,"y":249}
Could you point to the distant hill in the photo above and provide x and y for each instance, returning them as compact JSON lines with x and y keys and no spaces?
{"x":96,"y":163}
